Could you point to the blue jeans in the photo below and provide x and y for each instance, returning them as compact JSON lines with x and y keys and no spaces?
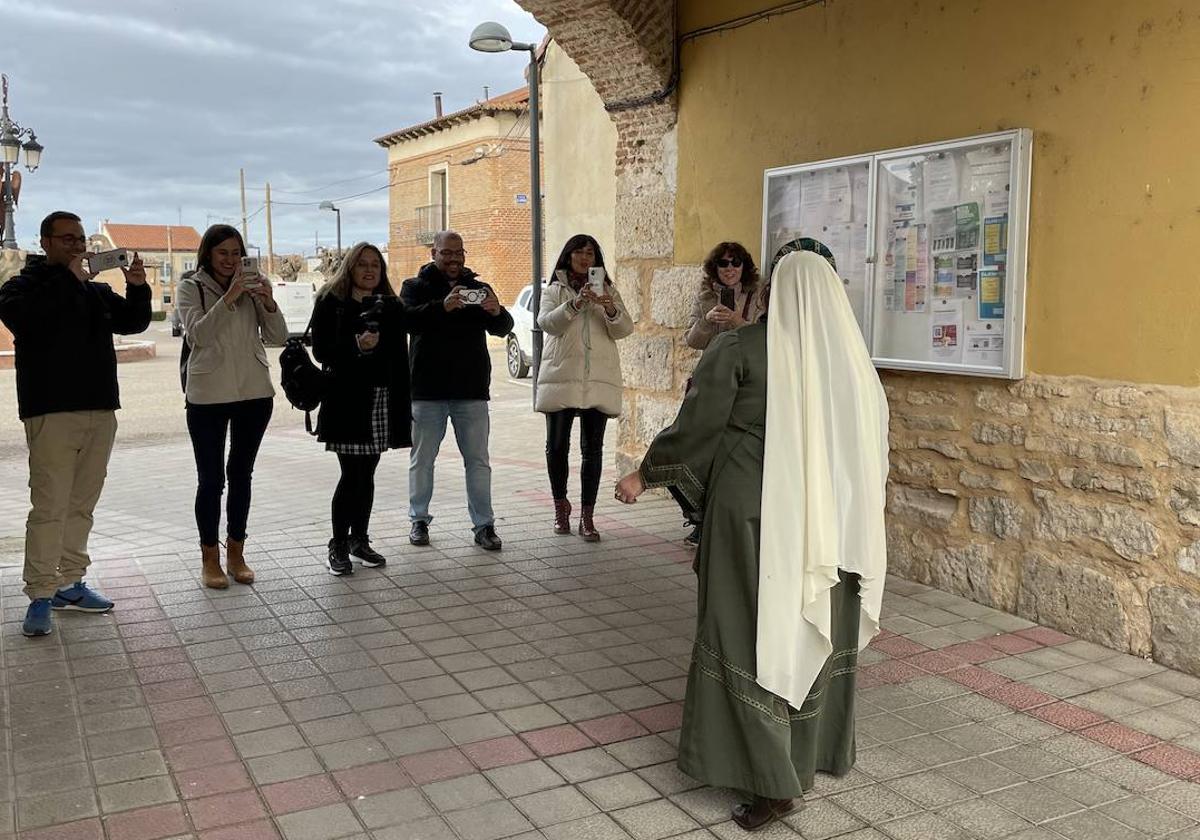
{"x":471,"y":428}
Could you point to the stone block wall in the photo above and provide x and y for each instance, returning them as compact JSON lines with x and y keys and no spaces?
{"x":1072,"y":502}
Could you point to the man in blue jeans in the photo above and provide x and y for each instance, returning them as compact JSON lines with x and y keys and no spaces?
{"x":452,"y":314}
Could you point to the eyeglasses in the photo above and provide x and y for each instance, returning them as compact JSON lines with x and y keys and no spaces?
{"x":69,"y":239}
{"x":726,"y":263}
{"x":446,"y":252}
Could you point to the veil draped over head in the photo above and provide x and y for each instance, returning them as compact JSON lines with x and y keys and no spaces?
{"x":824,"y":475}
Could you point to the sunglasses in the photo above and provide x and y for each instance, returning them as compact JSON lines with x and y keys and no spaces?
{"x":726,"y":263}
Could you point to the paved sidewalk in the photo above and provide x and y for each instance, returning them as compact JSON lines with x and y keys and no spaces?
{"x":535,"y":693}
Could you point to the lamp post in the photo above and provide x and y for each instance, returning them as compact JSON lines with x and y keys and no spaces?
{"x":10,"y":152}
{"x":493,"y":37}
{"x":328,"y":205}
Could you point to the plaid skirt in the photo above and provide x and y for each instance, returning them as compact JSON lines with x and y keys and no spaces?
{"x":380,"y":427}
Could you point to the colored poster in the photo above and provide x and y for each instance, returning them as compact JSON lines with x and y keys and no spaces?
{"x":991,"y":294}
{"x":943,"y":230}
{"x":966,"y":225}
{"x":946,"y":331}
{"x":966,"y":268}
{"x":995,"y":241}
{"x":944,"y":281}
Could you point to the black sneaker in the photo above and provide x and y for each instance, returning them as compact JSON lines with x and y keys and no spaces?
{"x":419,"y":535}
{"x":486,"y":538}
{"x":360,"y":547}
{"x":339,"y":558}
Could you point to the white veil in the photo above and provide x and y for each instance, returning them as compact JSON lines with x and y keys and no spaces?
{"x":824,"y":475}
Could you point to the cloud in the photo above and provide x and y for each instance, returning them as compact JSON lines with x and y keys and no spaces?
{"x":148,"y":108}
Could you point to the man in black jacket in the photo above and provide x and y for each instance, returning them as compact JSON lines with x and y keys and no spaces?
{"x":451,"y":380}
{"x":62,"y":325}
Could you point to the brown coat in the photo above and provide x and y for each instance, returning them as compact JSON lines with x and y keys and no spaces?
{"x":700,"y":330}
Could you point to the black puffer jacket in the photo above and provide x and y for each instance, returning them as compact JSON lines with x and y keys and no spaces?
{"x":345,"y":415}
{"x":63,"y":337}
{"x":448,"y":352}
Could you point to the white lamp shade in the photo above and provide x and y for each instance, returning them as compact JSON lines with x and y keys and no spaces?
{"x":491,"y":37}
{"x":33,"y":154}
{"x":10,"y":147}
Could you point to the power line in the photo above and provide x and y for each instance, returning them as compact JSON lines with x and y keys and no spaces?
{"x":330,"y":184}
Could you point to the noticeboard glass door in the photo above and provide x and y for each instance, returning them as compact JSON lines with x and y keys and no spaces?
{"x":949,"y":274}
{"x":829,"y":202}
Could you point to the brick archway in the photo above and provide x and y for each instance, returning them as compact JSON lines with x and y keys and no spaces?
{"x":627,"y":50}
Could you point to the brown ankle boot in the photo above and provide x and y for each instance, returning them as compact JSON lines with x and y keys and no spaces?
{"x":587,"y":528}
{"x":235,"y":561}
{"x":211,"y":573}
{"x":562,"y":516}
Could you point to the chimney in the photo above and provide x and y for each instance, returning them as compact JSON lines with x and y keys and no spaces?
{"x":486,"y":94}
{"x":437,"y":104}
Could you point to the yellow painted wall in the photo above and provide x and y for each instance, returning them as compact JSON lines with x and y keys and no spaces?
{"x":579,"y":142}
{"x":1111,"y":89}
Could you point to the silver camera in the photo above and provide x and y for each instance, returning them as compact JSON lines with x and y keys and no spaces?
{"x":105,"y":260}
{"x":596,"y":279}
{"x":473,"y":297}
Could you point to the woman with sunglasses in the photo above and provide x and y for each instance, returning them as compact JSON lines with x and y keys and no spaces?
{"x":727,"y":297}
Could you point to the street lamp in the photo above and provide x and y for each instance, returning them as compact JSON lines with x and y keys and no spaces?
{"x":328,"y":205}
{"x":491,"y":37}
{"x":10,"y":152}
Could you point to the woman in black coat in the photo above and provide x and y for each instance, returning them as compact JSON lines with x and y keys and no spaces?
{"x":359,"y":337}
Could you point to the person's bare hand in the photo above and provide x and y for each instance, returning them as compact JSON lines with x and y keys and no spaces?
{"x":79,"y":268}
{"x":630,"y":487}
{"x":491,"y":303}
{"x":719,"y":315}
{"x":135,"y":275}
{"x":453,"y":301}
{"x":367,"y":341}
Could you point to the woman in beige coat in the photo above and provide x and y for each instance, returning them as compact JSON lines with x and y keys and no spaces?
{"x":580,"y":373}
{"x":227,"y":314}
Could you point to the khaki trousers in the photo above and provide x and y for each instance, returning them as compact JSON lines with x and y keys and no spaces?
{"x":68,"y":462}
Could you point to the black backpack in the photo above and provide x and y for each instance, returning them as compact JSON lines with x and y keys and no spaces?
{"x":304,"y":384}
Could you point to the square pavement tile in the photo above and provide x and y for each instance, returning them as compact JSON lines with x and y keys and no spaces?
{"x":874,"y":804}
{"x":462,"y":792}
{"x":642,"y":752}
{"x":281,"y":767}
{"x":327,"y":823}
{"x":923,"y":826}
{"x":300,"y":794}
{"x":596,"y":827}
{"x":984,"y":819}
{"x":619,"y":791}
{"x":1035,"y":802}
{"x":822,"y":819}
{"x":1148,"y":817}
{"x":428,"y":828}
{"x":930,"y":789}
{"x":490,"y":821}
{"x":520,"y":779}
{"x":654,"y":820}
{"x":393,"y":807}
{"x":140,"y":793}
{"x":556,"y":805}
{"x":1092,"y":825}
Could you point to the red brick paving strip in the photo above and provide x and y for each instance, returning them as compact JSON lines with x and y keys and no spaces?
{"x":148,"y":823}
{"x":556,"y":740}
{"x":1118,"y":737}
{"x":498,"y":752}
{"x":613,"y":728}
{"x":1176,"y":761}
{"x":436,"y":766}
{"x":249,"y":831}
{"x":226,"y":809}
{"x":81,"y":830}
{"x":371,"y":778}
{"x":301,"y":794}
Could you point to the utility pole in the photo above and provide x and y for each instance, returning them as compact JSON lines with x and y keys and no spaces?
{"x":270,"y":236}
{"x":171,"y":264}
{"x":242,"y":181}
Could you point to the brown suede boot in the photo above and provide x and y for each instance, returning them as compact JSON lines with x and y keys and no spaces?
{"x":211,"y":573}
{"x":587,"y":528}
{"x":235,"y":561}
{"x":562,"y":516}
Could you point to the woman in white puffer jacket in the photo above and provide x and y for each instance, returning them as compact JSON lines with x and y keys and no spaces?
{"x":580,"y":374}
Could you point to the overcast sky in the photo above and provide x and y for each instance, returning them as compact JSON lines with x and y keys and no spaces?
{"x":147,"y":108}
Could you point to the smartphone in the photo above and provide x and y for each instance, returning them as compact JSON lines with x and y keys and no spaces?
{"x":728,"y":300}
{"x":596,"y":279}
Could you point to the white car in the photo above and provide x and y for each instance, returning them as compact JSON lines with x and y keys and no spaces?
{"x":519,"y":344}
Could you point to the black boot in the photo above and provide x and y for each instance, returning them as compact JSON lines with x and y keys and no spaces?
{"x":360,"y":547}
{"x":339,"y":558}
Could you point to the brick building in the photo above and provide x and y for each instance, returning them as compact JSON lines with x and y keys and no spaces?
{"x":467,"y":170}
{"x":166,"y":250}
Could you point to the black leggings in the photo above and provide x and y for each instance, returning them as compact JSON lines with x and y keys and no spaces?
{"x":591,"y":446}
{"x":246,"y":423}
{"x":354,"y":496}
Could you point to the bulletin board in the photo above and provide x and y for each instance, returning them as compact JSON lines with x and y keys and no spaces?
{"x":930,"y":242}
